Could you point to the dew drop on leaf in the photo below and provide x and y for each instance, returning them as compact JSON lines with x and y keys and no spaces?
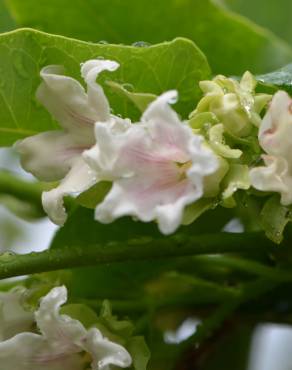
{"x":128,"y":87}
{"x":141,"y":44}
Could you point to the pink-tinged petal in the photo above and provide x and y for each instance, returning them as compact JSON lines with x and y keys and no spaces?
{"x":158,"y":190}
{"x":148,"y":201}
{"x":29,"y":351}
{"x":67,"y":101}
{"x":105,"y":353}
{"x":276,"y":128}
{"x":165,"y":127}
{"x":274,"y":176}
{"x":156,"y":166}
{"x":49,"y":156}
{"x":79,"y":178}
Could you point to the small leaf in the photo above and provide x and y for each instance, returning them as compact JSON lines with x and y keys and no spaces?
{"x":81,"y":313}
{"x":140,"y":353}
{"x":93,"y":196}
{"x":274,"y":218}
{"x":141,"y":100}
{"x":237,"y":178}
{"x":195,"y":210}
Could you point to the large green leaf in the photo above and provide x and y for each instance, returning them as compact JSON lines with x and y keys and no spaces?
{"x":6,"y":21}
{"x":171,"y":65}
{"x":272,"y":14}
{"x":231,"y":43}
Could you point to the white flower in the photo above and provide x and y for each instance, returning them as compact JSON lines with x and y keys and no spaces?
{"x":275,"y":137}
{"x":157,"y":167}
{"x":56,"y":155}
{"x":63,"y":343}
{"x":13,"y":317}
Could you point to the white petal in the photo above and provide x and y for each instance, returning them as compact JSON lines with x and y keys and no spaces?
{"x":170,"y":216}
{"x":64,"y":331}
{"x":28,"y":351}
{"x":276,"y":128}
{"x":104,"y":352}
{"x":204,"y":161}
{"x":49,"y":155}
{"x":166,"y":129}
{"x":78,"y":179}
{"x":96,"y":98}
{"x":274,"y":177}
{"x":13,"y":317}
{"x":160,"y":109}
{"x":66,"y":99}
{"x":102,"y":157}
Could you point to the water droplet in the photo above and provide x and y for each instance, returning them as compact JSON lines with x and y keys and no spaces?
{"x":102,"y":42}
{"x":141,"y":44}
{"x":128,"y":87}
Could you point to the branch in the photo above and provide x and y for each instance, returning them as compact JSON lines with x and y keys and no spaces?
{"x":132,"y":250}
{"x":11,"y":184}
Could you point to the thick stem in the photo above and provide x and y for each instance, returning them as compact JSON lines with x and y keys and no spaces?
{"x":132,"y":250}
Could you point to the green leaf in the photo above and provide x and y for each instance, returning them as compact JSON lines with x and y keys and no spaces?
{"x":274,"y":218}
{"x":150,"y":70}
{"x":195,"y":210}
{"x":280,"y":79}
{"x":6,"y":21}
{"x":140,"y":352}
{"x":231,"y":43}
{"x":93,"y":196}
{"x":80,"y":312}
{"x":236,"y":178}
{"x":272,"y":14}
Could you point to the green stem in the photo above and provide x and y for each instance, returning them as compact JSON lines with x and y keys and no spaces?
{"x":217,"y":294}
{"x":252,"y":267}
{"x":131,"y":250}
{"x":13,"y":185}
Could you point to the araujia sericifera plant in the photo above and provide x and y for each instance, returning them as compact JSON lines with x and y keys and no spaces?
{"x":160,"y":168}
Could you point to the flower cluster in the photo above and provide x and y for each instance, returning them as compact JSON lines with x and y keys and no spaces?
{"x":157,"y":166}
{"x":50,"y":340}
{"x":160,"y":165}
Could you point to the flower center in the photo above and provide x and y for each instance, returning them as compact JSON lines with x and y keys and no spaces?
{"x":183,"y":167}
